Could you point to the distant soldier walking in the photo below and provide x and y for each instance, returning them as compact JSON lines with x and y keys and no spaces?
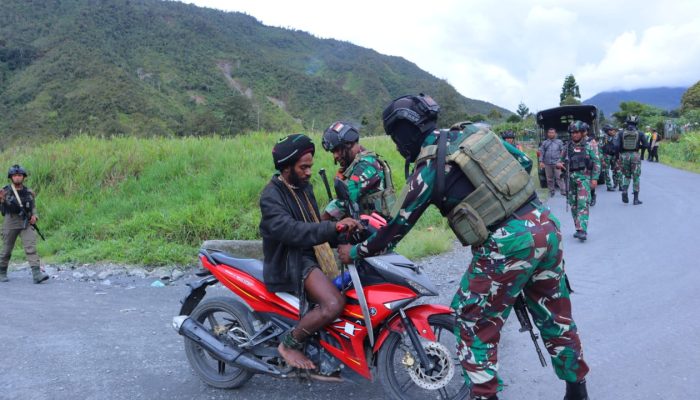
{"x":18,"y":206}
{"x":628,"y":142}
{"x":549,"y":152}
{"x":654,"y":146}
{"x":611,"y":159}
{"x":580,"y":160}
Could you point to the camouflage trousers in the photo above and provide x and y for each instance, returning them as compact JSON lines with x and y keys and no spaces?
{"x":611,"y":166}
{"x":525,"y":255}
{"x":631,"y":169}
{"x":579,"y":197}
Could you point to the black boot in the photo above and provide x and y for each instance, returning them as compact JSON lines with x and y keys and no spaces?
{"x":593,"y":198}
{"x":625,"y":198}
{"x":3,"y":274}
{"x":576,"y":391}
{"x":636,"y":200}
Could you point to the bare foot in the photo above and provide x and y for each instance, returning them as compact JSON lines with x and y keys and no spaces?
{"x":295,"y":358}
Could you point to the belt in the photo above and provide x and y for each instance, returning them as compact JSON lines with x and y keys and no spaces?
{"x":525,"y":209}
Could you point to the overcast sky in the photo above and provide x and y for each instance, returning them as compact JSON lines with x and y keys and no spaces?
{"x":510,"y":51}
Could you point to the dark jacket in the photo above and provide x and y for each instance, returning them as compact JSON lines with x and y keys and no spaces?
{"x":286,"y":237}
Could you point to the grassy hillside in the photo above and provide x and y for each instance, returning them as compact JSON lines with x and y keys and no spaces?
{"x":164,"y":68}
{"x":153,"y":201}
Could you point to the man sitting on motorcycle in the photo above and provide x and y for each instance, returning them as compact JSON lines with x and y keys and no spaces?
{"x":295,"y":244}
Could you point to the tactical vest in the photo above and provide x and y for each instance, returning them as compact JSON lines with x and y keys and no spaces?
{"x":578,"y":157}
{"x":501,"y":184}
{"x":629,"y":140}
{"x":609,"y":146}
{"x":381,"y":201}
{"x":12,"y":206}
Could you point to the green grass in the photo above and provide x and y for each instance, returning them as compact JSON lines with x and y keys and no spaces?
{"x":153,"y":201}
{"x":683,"y":154}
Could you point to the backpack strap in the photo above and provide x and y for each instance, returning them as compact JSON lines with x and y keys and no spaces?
{"x":439,"y":187}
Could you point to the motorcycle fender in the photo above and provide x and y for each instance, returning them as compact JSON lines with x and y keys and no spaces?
{"x":197,"y":291}
{"x":419,"y":316}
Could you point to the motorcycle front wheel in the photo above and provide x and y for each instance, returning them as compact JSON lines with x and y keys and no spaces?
{"x":229,"y":320}
{"x":402,"y":376}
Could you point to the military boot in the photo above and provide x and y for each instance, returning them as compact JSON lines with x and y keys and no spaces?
{"x":625,"y":198}
{"x":38,"y":276}
{"x":3,"y":275}
{"x":636,"y":200}
{"x":593,"y":197}
{"x":576,"y":391}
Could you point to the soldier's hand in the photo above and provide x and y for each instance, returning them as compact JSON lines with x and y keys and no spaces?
{"x":344,"y":253}
{"x":541,"y":165}
{"x":560,"y":165}
{"x":348,"y":225}
{"x":32,"y":220}
{"x":594,"y":184}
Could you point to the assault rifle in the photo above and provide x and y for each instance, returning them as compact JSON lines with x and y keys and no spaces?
{"x":526,"y":324}
{"x":23,"y":214}
{"x":324,"y":177}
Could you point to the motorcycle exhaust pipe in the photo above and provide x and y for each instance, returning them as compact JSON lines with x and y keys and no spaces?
{"x":227,"y":353}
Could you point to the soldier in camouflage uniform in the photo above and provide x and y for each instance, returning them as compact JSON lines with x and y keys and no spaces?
{"x":589,"y":136}
{"x":611,"y":159}
{"x":628,"y":142}
{"x":366,"y":174}
{"x":516,"y":251}
{"x":20,"y":217}
{"x":581,"y":162}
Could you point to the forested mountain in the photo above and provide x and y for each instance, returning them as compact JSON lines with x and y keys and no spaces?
{"x":149,"y":67}
{"x":664,"y":98}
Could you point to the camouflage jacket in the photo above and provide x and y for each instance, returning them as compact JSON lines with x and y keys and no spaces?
{"x":364,"y":177}
{"x":591,"y":151}
{"x":416,"y":197}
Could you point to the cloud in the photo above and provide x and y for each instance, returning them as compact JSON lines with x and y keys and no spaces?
{"x":511,"y":51}
{"x":662,"y":55}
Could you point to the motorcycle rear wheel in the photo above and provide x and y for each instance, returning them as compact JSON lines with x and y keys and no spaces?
{"x":395,"y":376}
{"x":219,"y":315}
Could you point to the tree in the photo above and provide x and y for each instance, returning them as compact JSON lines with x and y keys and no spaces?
{"x":239,"y":115}
{"x":522,"y":110}
{"x":514,"y":119}
{"x":494,"y":115}
{"x":691,"y":98}
{"x":570,"y":93}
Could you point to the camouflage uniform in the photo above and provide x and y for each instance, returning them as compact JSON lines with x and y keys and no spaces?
{"x":579,"y":183}
{"x":523,"y":254}
{"x":364,"y":177}
{"x":631,"y":169}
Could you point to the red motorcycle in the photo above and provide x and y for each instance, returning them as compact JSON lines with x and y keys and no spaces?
{"x":410,"y":350}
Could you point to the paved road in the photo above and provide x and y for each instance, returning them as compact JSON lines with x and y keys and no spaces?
{"x":635,"y":304}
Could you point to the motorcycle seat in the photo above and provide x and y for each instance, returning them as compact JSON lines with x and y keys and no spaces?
{"x":250,"y":266}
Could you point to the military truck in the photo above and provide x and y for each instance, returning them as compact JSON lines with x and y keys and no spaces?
{"x":559,"y":118}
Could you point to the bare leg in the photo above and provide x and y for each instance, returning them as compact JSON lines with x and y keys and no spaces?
{"x":329,"y":302}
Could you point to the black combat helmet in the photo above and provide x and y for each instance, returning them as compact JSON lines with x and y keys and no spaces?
{"x":607,"y":127}
{"x":408,"y":120}
{"x":508,"y":135}
{"x":632,"y":120}
{"x":339,"y":133}
{"x":16,"y":170}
